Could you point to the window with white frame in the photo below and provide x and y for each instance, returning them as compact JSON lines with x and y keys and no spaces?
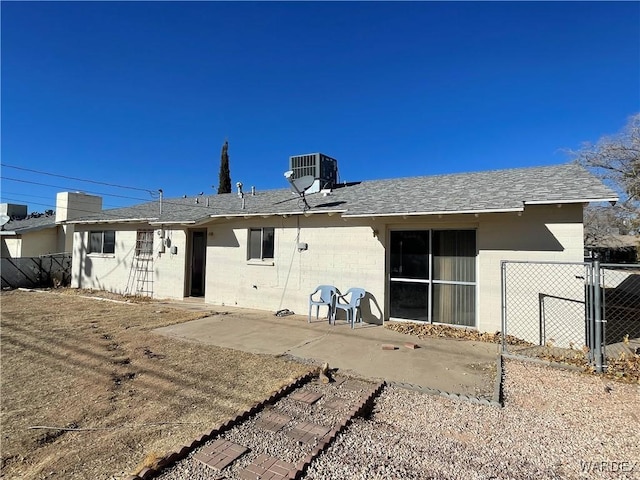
{"x":144,"y":243}
{"x":261,"y":244}
{"x":103,"y":241}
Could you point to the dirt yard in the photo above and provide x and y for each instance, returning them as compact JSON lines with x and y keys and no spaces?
{"x":88,"y":391}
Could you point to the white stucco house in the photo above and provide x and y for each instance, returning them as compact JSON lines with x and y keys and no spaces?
{"x":424,"y":248}
{"x":31,"y":236}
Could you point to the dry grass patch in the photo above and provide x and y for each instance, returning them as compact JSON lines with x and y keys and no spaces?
{"x":111,"y":391}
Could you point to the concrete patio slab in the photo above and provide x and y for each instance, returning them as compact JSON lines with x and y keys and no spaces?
{"x":455,"y":366}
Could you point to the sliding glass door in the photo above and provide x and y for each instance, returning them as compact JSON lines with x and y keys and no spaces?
{"x":410,"y":279}
{"x":433,"y":276}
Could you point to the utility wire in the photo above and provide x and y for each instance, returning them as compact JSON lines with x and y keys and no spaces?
{"x":40,"y":172}
{"x":153,"y":194}
{"x":53,"y":207}
{"x":21,"y":194}
{"x":90,"y":212}
{"x":164,"y":201}
{"x":146,"y":200}
{"x":67,"y":188}
{"x":104,"y":214}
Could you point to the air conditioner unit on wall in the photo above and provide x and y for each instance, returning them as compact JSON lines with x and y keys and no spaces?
{"x":322,"y":167}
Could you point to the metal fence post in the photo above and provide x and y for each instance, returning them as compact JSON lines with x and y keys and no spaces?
{"x":503,"y":292}
{"x":589,"y":312}
{"x":542,"y":335}
{"x":597,"y":306}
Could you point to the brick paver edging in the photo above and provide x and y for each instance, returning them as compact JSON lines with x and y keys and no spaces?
{"x":496,"y":400}
{"x":173,"y":457}
{"x":361,"y":408}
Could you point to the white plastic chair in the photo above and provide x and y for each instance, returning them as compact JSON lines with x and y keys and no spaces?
{"x":351,"y":306}
{"x":326,"y":299}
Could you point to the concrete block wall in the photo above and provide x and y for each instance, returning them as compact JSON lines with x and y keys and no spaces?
{"x":39,"y":242}
{"x":344,"y":254}
{"x":169,"y":268}
{"x":32,"y":244}
{"x":541,"y":233}
{"x":341,"y":252}
{"x":111,"y":272}
{"x":102,"y":271}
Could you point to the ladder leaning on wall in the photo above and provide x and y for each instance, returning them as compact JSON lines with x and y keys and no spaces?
{"x":140,"y":281}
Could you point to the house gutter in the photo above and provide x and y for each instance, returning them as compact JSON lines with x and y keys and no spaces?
{"x":150,"y":221}
{"x":436,"y":212}
{"x":582,"y":200}
{"x":276,"y":214}
{"x":117,"y":220}
{"x":190,"y":222}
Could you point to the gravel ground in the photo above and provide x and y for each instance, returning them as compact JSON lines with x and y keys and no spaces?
{"x":277,"y":444}
{"x":556,"y":424}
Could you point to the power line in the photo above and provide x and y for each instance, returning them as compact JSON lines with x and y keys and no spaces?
{"x":53,"y":206}
{"x":40,"y":172}
{"x":145,"y":200}
{"x":91,"y":212}
{"x":153,"y":194}
{"x":20,"y":194}
{"x":102,"y":212}
{"x":67,"y":188}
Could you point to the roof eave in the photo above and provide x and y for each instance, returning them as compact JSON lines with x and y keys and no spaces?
{"x":176,"y":222}
{"x":436,"y":212}
{"x":22,"y":231}
{"x":573,"y":200}
{"x":274,"y":214}
{"x":112,"y":220}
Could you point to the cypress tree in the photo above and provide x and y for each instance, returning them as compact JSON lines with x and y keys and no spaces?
{"x":224,"y":180}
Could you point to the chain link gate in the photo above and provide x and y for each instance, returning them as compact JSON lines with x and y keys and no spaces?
{"x":621,"y":306}
{"x":573,"y":312}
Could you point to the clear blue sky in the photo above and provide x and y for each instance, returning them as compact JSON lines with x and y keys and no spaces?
{"x":144,"y":94}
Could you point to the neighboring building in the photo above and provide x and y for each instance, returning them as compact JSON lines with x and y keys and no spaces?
{"x":31,"y":236}
{"x":424,"y":248}
{"x":614,"y":248}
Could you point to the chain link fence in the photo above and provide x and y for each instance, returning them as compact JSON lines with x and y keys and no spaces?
{"x":570,"y":312}
{"x":52,"y":270}
{"x":621,"y":304}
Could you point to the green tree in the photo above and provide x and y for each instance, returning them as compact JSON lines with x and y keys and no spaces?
{"x":224,"y":180}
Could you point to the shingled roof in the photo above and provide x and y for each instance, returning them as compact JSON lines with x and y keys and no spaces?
{"x":497,"y":190}
{"x":488,"y":191}
{"x":31,"y":224}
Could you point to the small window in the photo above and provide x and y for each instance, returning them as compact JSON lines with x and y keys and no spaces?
{"x":144,"y":243}
{"x":102,"y":242}
{"x":261,"y":243}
